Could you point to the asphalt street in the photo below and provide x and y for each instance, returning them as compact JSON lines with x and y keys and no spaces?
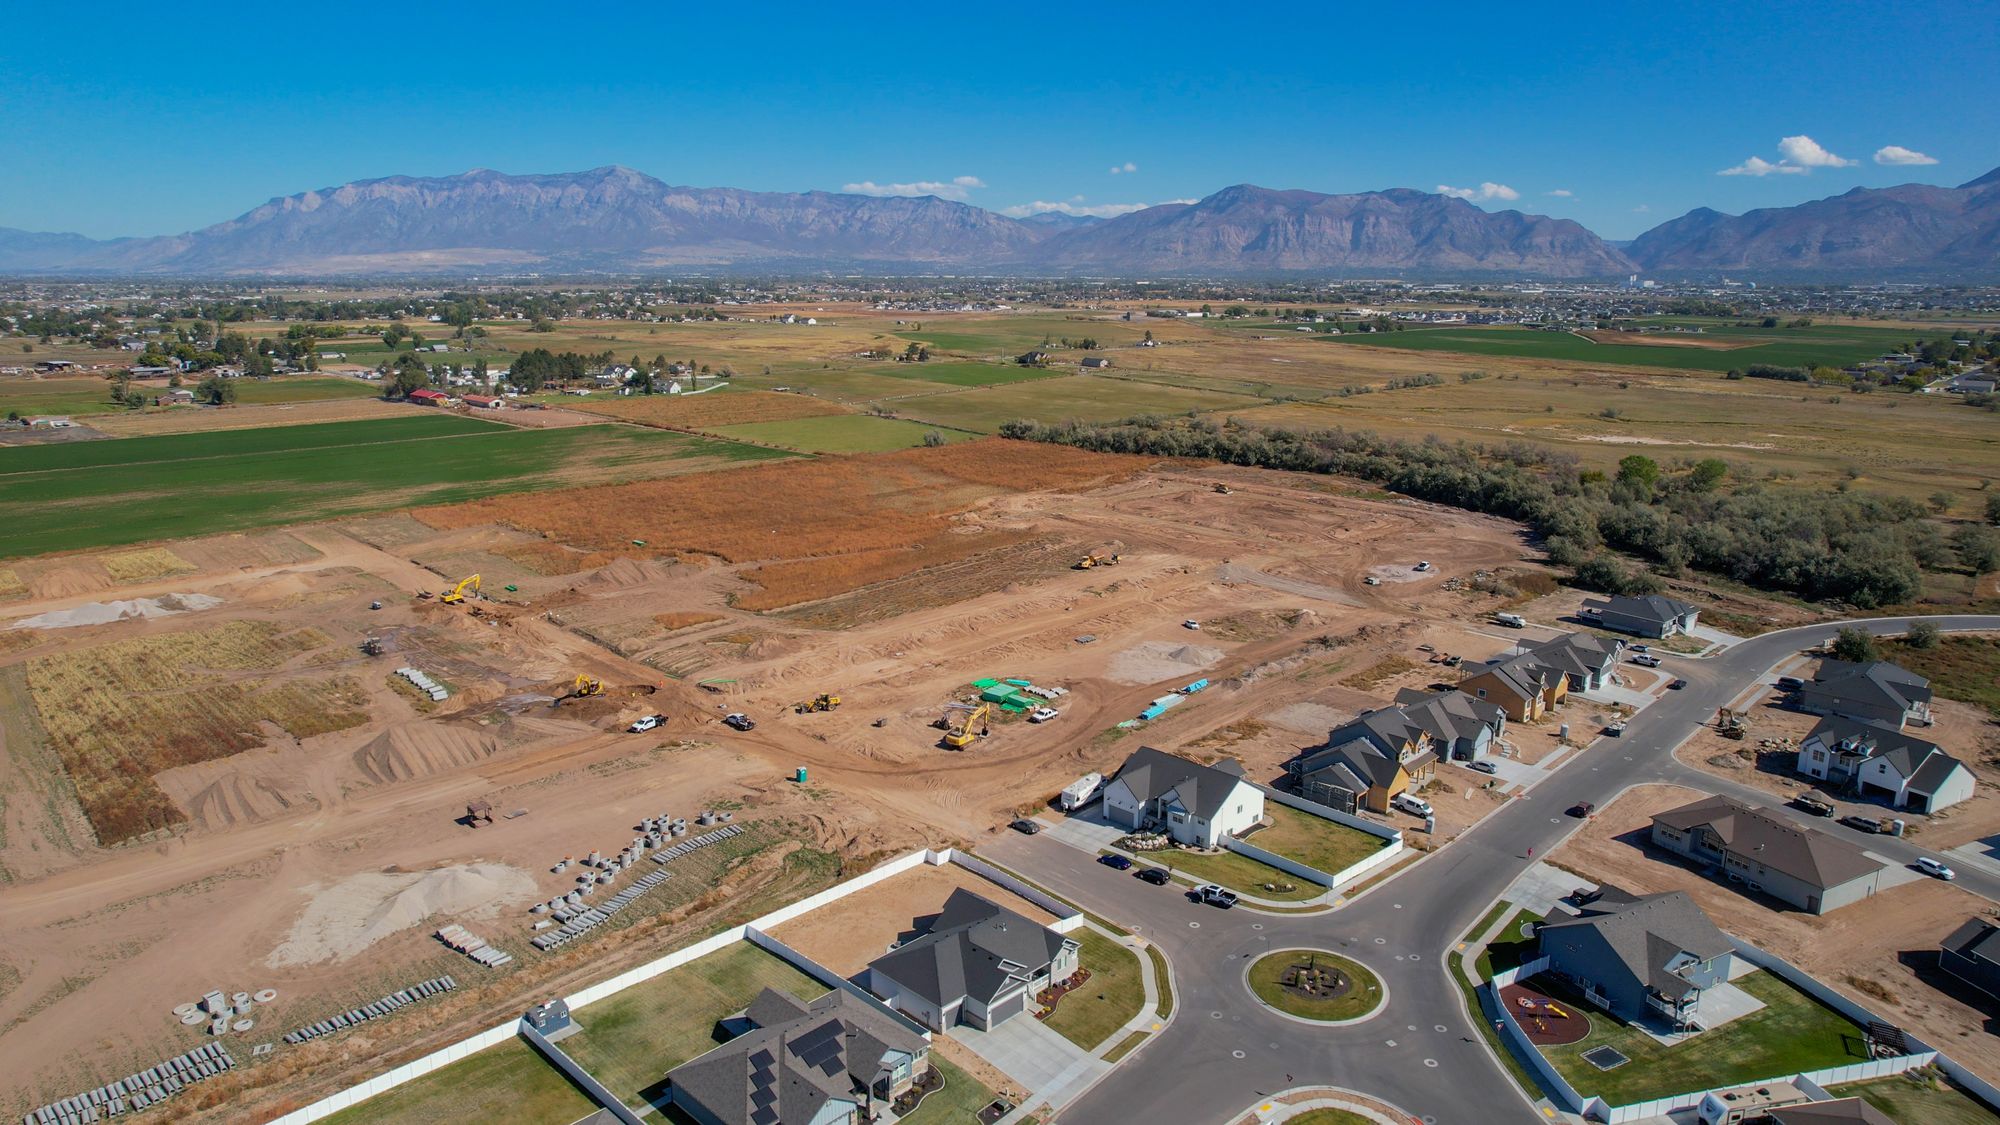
{"x":1224,"y":1050}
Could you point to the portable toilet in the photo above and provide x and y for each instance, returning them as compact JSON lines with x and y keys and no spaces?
{"x":800,"y":776}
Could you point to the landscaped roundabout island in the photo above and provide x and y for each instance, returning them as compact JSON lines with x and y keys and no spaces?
{"x":1313,"y":984}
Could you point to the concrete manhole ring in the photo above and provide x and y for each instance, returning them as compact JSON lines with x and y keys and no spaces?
{"x":1381,"y":941}
{"x":1439,"y":1027}
{"x":1256,"y":925}
{"x":1430,"y":1062}
{"x":1237,"y":1054}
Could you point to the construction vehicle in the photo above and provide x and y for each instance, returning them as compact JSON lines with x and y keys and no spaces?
{"x":963,"y":737}
{"x":478,"y":814}
{"x":820,"y":702}
{"x":1731,"y":724}
{"x":457,"y":593}
{"x":1088,"y":561}
{"x":585,"y":687}
{"x":372,"y":646}
{"x":1223,"y":489}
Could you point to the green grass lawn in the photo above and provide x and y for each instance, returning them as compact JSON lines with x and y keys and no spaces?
{"x":1108,"y":1000}
{"x":297,"y":388}
{"x":630,"y":1040}
{"x":1327,"y":1116}
{"x":80,"y":495}
{"x":1832,"y":346}
{"x":1239,"y":873}
{"x":1267,"y":981}
{"x":510,"y":1082}
{"x":1963,"y":668}
{"x":1508,"y":948}
{"x":1792,"y":1033}
{"x":1162,"y":982}
{"x":1314,"y":841}
{"x":848,"y":433}
{"x":1085,"y":397}
{"x":1920,"y":1098}
{"x":958,"y":1103}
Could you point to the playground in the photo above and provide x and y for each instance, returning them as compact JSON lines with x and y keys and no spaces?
{"x":1548,"y":1022}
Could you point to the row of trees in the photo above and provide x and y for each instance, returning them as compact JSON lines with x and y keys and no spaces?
{"x":1850,"y":547}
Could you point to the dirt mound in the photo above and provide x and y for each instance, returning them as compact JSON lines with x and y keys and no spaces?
{"x":99,"y":613}
{"x":420,"y":749}
{"x":236,"y":799}
{"x":345,"y":919}
{"x":622,"y":574}
{"x":1154,"y":661}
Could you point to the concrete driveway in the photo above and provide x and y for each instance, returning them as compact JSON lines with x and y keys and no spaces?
{"x":1025,"y":1050}
{"x":1086,"y":830}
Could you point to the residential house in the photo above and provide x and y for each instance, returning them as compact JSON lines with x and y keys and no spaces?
{"x":1462,"y":729}
{"x":1768,"y":852}
{"x":484,"y":402}
{"x":833,"y":1061}
{"x":176,"y":396}
{"x":426,"y":397}
{"x":1875,"y":691}
{"x":1033,"y":359}
{"x":1876,"y":760}
{"x":1973,"y":383}
{"x":1586,"y":659}
{"x":1366,"y":763}
{"x":1651,"y":615}
{"x":1639,"y":956}
{"x":979,"y":964}
{"x":1972,"y":954}
{"x":1520,"y":684}
{"x":1194,"y":804}
{"x":1840,"y":1111}
{"x":1095,"y":363}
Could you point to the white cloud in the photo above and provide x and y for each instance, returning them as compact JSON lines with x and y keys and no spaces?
{"x":1487,"y":190}
{"x":958,"y":188}
{"x":1075,"y":207}
{"x":1641,"y":209}
{"x":1797,"y":156}
{"x":1563,"y":193}
{"x":1897,"y":154}
{"x":1124,"y":169}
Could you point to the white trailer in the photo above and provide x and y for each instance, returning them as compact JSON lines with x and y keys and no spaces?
{"x":1077,"y":792}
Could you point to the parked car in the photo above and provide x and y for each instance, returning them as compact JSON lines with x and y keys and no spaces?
{"x":646,"y":724}
{"x":1415,"y":806}
{"x":1936,"y":870}
{"x":1676,"y":684}
{"x":1042,"y":714}
{"x":1115,"y":862}
{"x":1025,"y":827}
{"x":1790,"y":683}
{"x":739,"y":721}
{"x":1582,"y":810}
{"x":1510,"y":620}
{"x":1155,"y":875}
{"x":1862,"y":823}
{"x":1817,"y":806}
{"x":1638,"y":648}
{"x":1215,"y":896}
{"x":1422,"y":566}
{"x":1371,"y":580}
{"x":1482,"y":767}
{"x":1191,"y":623}
{"x":1645,"y":661}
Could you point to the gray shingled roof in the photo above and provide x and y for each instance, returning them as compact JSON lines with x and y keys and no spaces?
{"x":1449,"y":715}
{"x":1203,"y":790}
{"x":1876,"y":681}
{"x":1977,"y":940}
{"x":1923,"y":762}
{"x":1523,"y":673}
{"x":1933,"y":772}
{"x":1649,"y":933}
{"x":1649,"y":607}
{"x":1358,"y":765}
{"x":1806,"y":854}
{"x":783,"y":1073}
{"x":976,"y":948}
{"x":1576,"y":654}
{"x":1846,"y":1111}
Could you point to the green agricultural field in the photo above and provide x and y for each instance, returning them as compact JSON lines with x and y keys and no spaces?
{"x":299,"y":388}
{"x":1832,"y":346}
{"x":74,"y":396}
{"x":631,"y":1039}
{"x":81,"y":495}
{"x":955,"y":374}
{"x":1011,"y":335}
{"x":505,"y":1082}
{"x":850,"y":433}
{"x":1086,"y":397}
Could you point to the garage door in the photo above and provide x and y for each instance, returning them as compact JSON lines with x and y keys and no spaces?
{"x":1008,"y":1008}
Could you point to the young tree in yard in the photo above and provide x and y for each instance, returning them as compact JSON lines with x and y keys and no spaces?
{"x":1923,"y":635}
{"x":407,"y":375}
{"x":1978,"y":548}
{"x":217,"y":390}
{"x":1855,"y":645}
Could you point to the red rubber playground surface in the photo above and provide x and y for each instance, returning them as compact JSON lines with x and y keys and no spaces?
{"x":1536,"y":1013}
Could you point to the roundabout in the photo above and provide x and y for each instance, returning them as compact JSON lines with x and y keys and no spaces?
{"x":1316,"y":985}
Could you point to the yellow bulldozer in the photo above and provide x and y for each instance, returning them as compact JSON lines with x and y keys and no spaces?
{"x":1089,"y":561}
{"x":457,"y":593}
{"x":820,"y":702}
{"x":962,"y":736}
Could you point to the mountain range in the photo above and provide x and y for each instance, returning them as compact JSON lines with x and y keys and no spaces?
{"x":618,"y":220}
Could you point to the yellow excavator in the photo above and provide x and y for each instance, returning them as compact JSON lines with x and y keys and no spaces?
{"x":820,"y":702}
{"x":586,"y":686}
{"x":457,"y":593}
{"x":1088,"y":561}
{"x":963,"y":737}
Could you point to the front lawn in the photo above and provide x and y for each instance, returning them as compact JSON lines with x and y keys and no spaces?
{"x":1107,"y":1001}
{"x":1238,"y":873}
{"x":959,"y":1102}
{"x":1267,"y":980}
{"x":1508,"y":948}
{"x":509,"y":1081}
{"x":1314,"y":841}
{"x":1792,"y":1033}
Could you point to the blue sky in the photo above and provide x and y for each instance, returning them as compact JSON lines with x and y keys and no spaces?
{"x":139,"y":120}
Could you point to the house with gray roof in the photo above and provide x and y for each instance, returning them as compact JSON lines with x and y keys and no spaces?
{"x":1876,"y":691}
{"x":1638,"y":957}
{"x":1367,"y":762}
{"x":1972,"y":954}
{"x":979,"y":964}
{"x":1519,"y":683}
{"x":1462,"y":729}
{"x":1585,"y":658}
{"x":1194,"y":804}
{"x":1768,"y":852}
{"x":832,"y":1061}
{"x":1866,"y":759}
{"x":1649,"y":615}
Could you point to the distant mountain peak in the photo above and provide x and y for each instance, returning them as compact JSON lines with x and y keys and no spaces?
{"x":1987,"y":180}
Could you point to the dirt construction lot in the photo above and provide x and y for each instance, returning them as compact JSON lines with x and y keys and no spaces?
{"x":1880,"y":951}
{"x":861,"y":927}
{"x":310,"y":838}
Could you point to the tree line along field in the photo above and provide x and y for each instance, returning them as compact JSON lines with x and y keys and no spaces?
{"x":1829,"y":346}
{"x":80,"y":495}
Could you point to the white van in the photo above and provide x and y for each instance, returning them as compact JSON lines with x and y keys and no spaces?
{"x":1415,"y":806}
{"x":1510,"y":620}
